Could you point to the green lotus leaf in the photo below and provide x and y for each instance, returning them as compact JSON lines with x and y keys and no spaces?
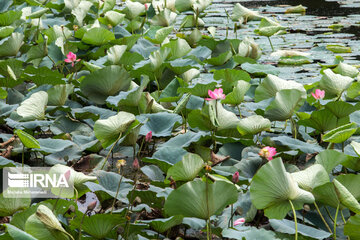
{"x":114,"y":18}
{"x":248,"y":48}
{"x":183,"y":5}
{"x":342,"y":109}
{"x":38,"y":13}
{"x":294,"y":60}
{"x":253,"y":125}
{"x":260,"y":70}
{"x":243,"y":14}
{"x":200,"y":5}
{"x":340,"y":134}
{"x":80,"y":11}
{"x":238,"y":93}
{"x":346,"y":198}
{"x":165,"y":18}
{"x":98,"y":36}
{"x":199,"y":199}
{"x":98,"y":225}
{"x":3,"y":93}
{"x":329,"y":159}
{"x":17,"y":233}
{"x":11,"y":46}
{"x":76,"y":179}
{"x":108,"y":130}
{"x":178,"y":48}
{"x":115,"y":53}
{"x":133,"y":9}
{"x":187,"y":169}
{"x":273,"y":84}
{"x":225,"y":121}
{"x":352,"y":227}
{"x":327,"y":195}
{"x":346,"y":70}
{"x":297,"y":9}
{"x":163,"y":224}
{"x":9,"y":17}
{"x":190,"y":21}
{"x":335,"y":48}
{"x":6,"y":31}
{"x":351,"y":182}
{"x":333,"y":83}
{"x":59,"y":94}
{"x":268,"y":27}
{"x":285,"y":103}
{"x":311,"y":177}
{"x":322,"y":120}
{"x":44,"y":225}
{"x":9,"y":206}
{"x":105,"y":82}
{"x":198,"y":89}
{"x":33,"y":108}
{"x":229,"y":78}
{"x":130,"y":99}
{"x":158,"y":34}
{"x":220,"y":59}
{"x":272,"y":188}
{"x":160,"y":124}
{"x":28,"y":140}
{"x":287,"y":226}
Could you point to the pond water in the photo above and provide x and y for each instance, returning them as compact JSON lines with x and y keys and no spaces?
{"x":310,"y":33}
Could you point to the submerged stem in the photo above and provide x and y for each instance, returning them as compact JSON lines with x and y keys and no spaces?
{"x":294,"y":212}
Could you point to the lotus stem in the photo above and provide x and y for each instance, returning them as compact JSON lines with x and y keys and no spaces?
{"x":22,"y":157}
{"x":342,"y":216}
{"x":293,"y":127}
{"x":337,"y":211}
{"x":272,"y":47}
{"x":322,"y":217}
{"x":294,"y":212}
{"x":238,"y":107}
{"x":231,"y":219}
{"x":117,"y":192}
{"x":207,"y":230}
{"x":112,"y":147}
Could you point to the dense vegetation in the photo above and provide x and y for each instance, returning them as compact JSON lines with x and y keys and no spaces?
{"x":172,"y":128}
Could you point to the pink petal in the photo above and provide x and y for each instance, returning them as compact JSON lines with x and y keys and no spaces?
{"x":316,"y":97}
{"x":208,"y":99}
{"x":212,"y":94}
{"x":239,"y":221}
{"x":72,"y":64}
{"x":68,"y":60}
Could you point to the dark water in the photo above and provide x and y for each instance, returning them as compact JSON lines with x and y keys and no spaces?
{"x":314,"y":7}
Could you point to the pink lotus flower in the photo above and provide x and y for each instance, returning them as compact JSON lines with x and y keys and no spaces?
{"x":318,"y":94}
{"x":146,"y":6}
{"x":71,"y":58}
{"x":91,"y":206}
{"x":216,"y":94}
{"x":135,"y":164}
{"x":239,"y":221}
{"x":67,"y":175}
{"x":235,"y":177}
{"x":148,"y":136}
{"x":268,"y":152}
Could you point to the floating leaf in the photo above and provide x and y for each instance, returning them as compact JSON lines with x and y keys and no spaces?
{"x":268,"y":27}
{"x":338,"y":48}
